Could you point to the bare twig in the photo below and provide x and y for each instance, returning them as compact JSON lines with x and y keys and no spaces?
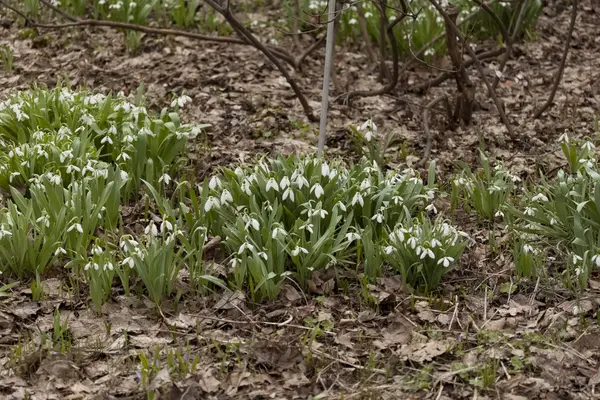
{"x":563,"y":62}
{"x":428,"y":134}
{"x":239,"y":28}
{"x":307,"y":52}
{"x":447,"y":75}
{"x":492,"y":93}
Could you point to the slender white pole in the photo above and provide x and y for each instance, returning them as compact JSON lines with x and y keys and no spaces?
{"x":327,"y":75}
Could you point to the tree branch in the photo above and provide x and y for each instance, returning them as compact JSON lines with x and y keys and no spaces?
{"x":492,"y":93}
{"x":226,"y":13}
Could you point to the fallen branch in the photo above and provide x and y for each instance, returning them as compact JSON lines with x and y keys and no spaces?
{"x":428,"y":134}
{"x":563,"y":62}
{"x":239,"y":28}
{"x":491,"y":92}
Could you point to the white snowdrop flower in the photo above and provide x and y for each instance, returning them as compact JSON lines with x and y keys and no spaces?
{"x":332,"y":174}
{"x":288,"y":193}
{"x":124,"y":175}
{"x":214,"y":183}
{"x":108,"y":266}
{"x":272,"y":184}
{"x":539,"y":197}
{"x":263,"y":255}
{"x":358,"y":199}
{"x":59,"y":251}
{"x":427,"y":252}
{"x":564,"y":138}
{"x":553,"y":221}
{"x":245,"y":186}
{"x":165,"y":178}
{"x":235,"y":262}
{"x":388,"y":250}
{"x":128,"y":261}
{"x":123,"y":157}
{"x":278,"y":232}
{"x":308,"y":227}
{"x":435,"y":243}
{"x":589,"y":146}
{"x":97,"y":250}
{"x":211,"y":202}
{"x":106,"y":139}
{"x":596,"y":259}
{"x":166,"y":226}
{"x":245,"y":246}
{"x":431,"y":208}
{"x":4,"y":232}
{"x":429,"y":52}
{"x":412,"y":242}
{"x":341,"y":206}
{"x":253,"y":222}
{"x":76,"y":227}
{"x":318,"y":189}
{"x":87,"y":266}
{"x":301,"y":182}
{"x":73,"y":168}
{"x":499,"y":214}
{"x":320,"y":212}
{"x":365,"y":184}
{"x":226,"y":197}
{"x":576,"y":258}
{"x":151,"y":229}
{"x":352,"y":21}
{"x":446,"y":261}
{"x":377,"y":217}
{"x":44,"y":220}
{"x":529,"y":211}
{"x":352,"y":236}
{"x":55,"y":179}
{"x":65,"y":155}
{"x":284,"y":183}
{"x":528,"y":248}
{"x":368,"y":14}
{"x":324,"y":169}
{"x":515,"y":179}
{"x":299,"y":250}
{"x":397,"y":200}
{"x":239,"y":171}
{"x":181,"y":101}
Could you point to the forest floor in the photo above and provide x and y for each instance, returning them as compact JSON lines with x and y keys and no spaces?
{"x":472,"y":341}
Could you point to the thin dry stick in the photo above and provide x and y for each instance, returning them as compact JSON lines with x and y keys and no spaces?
{"x":563,"y":62}
{"x":428,"y":134}
{"x":447,"y":75}
{"x":279,"y":52}
{"x":312,"y":48}
{"x":239,"y":28}
{"x":491,"y":91}
{"x":295,"y":22}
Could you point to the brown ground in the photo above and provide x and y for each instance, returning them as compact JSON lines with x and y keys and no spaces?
{"x":529,"y":342}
